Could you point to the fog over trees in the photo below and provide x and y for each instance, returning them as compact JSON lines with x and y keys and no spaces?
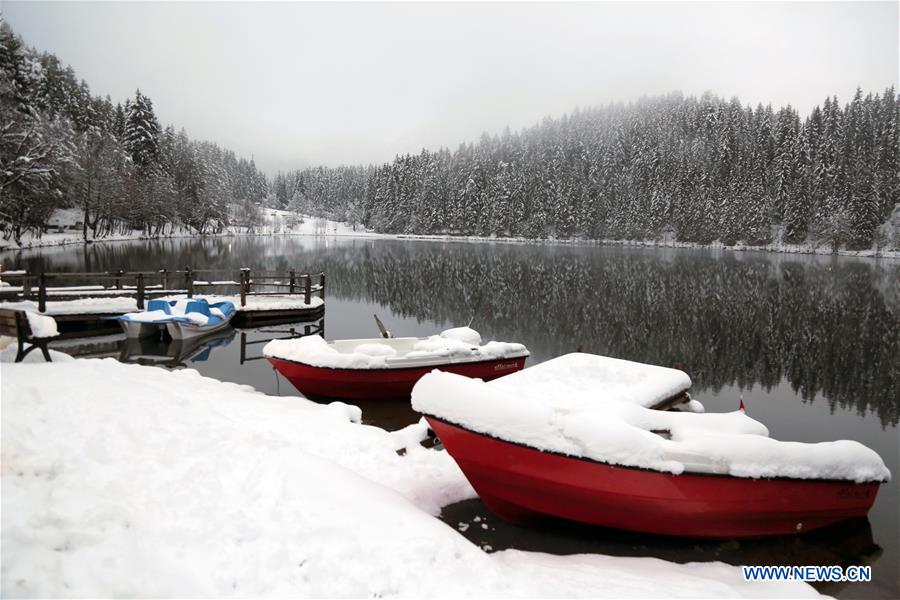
{"x":62,"y":147}
{"x":673,"y":167}
{"x":662,"y":168}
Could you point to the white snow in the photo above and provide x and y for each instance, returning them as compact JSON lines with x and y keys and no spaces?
{"x":392,"y":352}
{"x":613,"y":427}
{"x":176,"y":310}
{"x":582,"y":379}
{"x":41,"y":326}
{"x":110,"y":306}
{"x":122,"y":481}
{"x":148,"y":316}
{"x":463,"y":334}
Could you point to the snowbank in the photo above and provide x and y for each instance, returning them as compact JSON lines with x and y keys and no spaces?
{"x":458,"y":344}
{"x":122,"y":480}
{"x":601,"y":427}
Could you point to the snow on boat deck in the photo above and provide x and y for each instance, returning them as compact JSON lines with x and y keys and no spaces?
{"x":594,"y":407}
{"x":459,"y":344}
{"x":123,"y":480}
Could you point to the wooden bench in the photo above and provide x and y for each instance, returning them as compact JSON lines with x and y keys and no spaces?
{"x":14,"y":323}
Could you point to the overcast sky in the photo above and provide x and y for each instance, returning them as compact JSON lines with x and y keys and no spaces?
{"x":308,"y":83}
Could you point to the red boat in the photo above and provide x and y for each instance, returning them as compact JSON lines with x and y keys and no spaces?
{"x":520,"y":483}
{"x":387,"y":368}
{"x":577,"y":438}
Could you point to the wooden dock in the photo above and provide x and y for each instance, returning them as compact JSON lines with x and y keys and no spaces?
{"x":83,"y":302}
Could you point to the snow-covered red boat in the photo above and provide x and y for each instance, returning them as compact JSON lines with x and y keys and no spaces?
{"x":381,"y":368}
{"x":573,"y":438}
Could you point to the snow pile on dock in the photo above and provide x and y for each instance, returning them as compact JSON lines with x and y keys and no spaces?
{"x":459,"y":342}
{"x":608,"y":423}
{"x":129,"y":481}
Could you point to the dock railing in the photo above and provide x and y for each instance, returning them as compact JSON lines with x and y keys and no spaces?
{"x":145,"y":285}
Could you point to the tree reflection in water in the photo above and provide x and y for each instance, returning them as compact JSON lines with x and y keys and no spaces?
{"x":828,"y":326}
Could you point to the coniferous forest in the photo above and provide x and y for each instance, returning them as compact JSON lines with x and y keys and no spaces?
{"x":674,"y":167}
{"x":62,"y":147}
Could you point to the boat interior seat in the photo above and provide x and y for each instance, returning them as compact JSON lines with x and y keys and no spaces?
{"x":225,"y":307}
{"x":197,"y":306}
{"x":158,"y":304}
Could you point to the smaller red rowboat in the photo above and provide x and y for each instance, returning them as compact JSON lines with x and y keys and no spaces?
{"x":381,"y":368}
{"x":520,"y":483}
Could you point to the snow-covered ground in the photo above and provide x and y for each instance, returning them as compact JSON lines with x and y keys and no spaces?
{"x":124,"y":480}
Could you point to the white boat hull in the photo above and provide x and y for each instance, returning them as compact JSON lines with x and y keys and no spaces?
{"x":187,"y":331}
{"x":136,"y":329}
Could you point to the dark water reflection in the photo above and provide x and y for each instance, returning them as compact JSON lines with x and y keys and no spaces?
{"x":813,"y":344}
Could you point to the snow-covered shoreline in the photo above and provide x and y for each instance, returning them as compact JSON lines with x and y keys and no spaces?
{"x":125,"y":480}
{"x":52,"y":240}
{"x":275,"y":223}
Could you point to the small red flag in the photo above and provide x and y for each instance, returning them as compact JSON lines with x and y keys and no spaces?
{"x":741,"y":407}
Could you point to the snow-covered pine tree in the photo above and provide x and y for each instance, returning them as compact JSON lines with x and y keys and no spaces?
{"x":142,"y":133}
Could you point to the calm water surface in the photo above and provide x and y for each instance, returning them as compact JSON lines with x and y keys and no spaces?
{"x":812,"y":343}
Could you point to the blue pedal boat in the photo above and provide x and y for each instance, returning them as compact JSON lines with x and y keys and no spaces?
{"x":183,"y":319}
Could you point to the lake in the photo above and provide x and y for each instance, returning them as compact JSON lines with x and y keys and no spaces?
{"x":811,"y":342}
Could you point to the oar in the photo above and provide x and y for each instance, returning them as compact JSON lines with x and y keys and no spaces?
{"x":384,"y":332}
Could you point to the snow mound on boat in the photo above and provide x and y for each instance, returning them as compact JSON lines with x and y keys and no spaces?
{"x":623,"y":432}
{"x":581,"y":379}
{"x":466,"y":335}
{"x":315,"y":351}
{"x":451,"y":344}
{"x":375,"y":350}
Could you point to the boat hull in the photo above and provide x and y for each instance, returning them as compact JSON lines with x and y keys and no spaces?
{"x":520,"y":484}
{"x":187,"y":331}
{"x":136,"y":329}
{"x":324,"y":382}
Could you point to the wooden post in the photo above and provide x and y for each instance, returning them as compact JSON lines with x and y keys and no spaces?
{"x":119,"y":279}
{"x":245,"y":284}
{"x":292,"y":282}
{"x":140,"y":291}
{"x":165,"y":278}
{"x":42,"y":292}
{"x":243,"y":334}
{"x":26,"y":287}
{"x":322,"y":285}
{"x":189,"y":282}
{"x":307,"y":287}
